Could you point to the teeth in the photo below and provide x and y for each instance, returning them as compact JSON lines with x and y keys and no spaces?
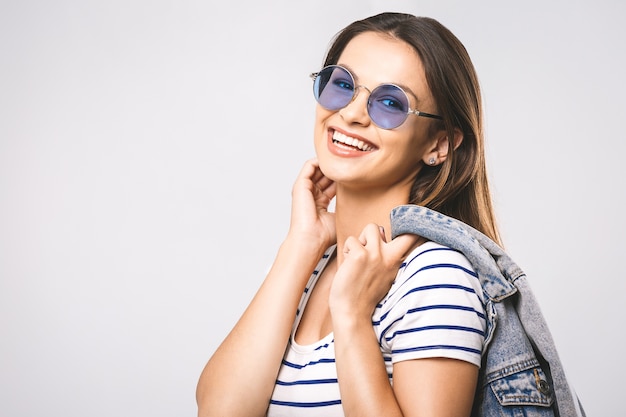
{"x":347,"y":140}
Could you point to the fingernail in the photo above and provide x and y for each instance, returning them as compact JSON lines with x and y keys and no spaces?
{"x":382,"y":233}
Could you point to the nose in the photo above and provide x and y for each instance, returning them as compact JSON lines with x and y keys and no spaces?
{"x":356,"y":110}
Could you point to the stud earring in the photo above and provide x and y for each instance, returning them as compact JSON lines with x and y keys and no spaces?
{"x":431,"y":161}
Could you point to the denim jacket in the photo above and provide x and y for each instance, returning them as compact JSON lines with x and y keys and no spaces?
{"x":521,"y":373}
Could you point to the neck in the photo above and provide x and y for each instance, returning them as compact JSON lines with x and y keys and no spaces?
{"x":354,"y":210}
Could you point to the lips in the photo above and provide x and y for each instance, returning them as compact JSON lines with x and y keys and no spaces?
{"x":340,"y":138}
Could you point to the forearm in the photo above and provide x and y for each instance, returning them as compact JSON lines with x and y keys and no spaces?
{"x":363,"y":380}
{"x":239,"y":378}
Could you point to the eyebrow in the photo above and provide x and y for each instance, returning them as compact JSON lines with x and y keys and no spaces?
{"x":406,"y":88}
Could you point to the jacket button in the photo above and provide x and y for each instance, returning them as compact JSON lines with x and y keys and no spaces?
{"x":543,"y":386}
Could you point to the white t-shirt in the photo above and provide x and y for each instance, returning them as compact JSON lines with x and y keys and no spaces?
{"x":434,"y":308}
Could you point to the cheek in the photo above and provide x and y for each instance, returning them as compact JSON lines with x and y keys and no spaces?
{"x":321,"y":115}
{"x":321,"y":128}
{"x":414,"y":147}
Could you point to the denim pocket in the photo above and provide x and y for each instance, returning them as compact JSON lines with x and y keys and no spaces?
{"x":519,"y":390}
{"x":528,"y":387}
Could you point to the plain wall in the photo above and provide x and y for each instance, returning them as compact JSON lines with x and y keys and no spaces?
{"x":147,"y":152}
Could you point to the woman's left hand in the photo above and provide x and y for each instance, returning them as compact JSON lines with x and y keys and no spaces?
{"x":367,"y":269}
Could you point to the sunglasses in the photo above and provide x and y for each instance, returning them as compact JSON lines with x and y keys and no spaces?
{"x":388,"y":105}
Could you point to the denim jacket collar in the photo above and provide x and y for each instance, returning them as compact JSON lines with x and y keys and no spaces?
{"x":496,"y":281}
{"x":518,"y":340}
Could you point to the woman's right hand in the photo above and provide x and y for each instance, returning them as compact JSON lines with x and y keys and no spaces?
{"x":311,"y":195}
{"x":264,"y":328}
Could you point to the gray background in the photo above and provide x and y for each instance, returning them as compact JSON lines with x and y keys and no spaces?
{"x":147,"y":152}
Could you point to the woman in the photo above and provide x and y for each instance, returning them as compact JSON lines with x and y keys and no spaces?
{"x":382,"y":327}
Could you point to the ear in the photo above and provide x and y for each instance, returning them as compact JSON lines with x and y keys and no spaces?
{"x":438,"y":153}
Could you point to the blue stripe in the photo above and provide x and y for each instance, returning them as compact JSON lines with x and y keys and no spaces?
{"x":307,"y":382}
{"x":405,"y":264}
{"x":384,"y":332}
{"x":437,"y":266}
{"x":437,"y":327}
{"x":452,"y":266}
{"x":427,"y":288}
{"x":432,"y":307}
{"x":447,"y":307}
{"x":433,"y":266}
{"x":297,"y":366}
{"x":324,"y":346}
{"x":433,"y":347}
{"x":440,"y":286}
{"x":306,"y":405}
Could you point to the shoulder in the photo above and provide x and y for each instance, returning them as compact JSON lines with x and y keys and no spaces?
{"x":433,"y":266}
{"x":434,"y":308}
{"x":432,"y":253}
{"x":433,"y":256}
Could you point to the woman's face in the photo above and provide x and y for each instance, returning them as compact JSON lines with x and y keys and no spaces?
{"x":382,"y":158}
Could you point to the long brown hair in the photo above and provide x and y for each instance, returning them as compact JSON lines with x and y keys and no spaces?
{"x":458,"y":187}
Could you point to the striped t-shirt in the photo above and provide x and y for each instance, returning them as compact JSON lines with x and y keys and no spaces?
{"x":434,"y":309}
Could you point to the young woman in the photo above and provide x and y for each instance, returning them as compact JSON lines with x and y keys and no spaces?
{"x":382,"y":327}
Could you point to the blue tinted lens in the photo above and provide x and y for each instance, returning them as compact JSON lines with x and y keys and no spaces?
{"x":333,"y":88}
{"x":388,"y":106}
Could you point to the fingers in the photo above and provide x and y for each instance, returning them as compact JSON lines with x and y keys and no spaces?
{"x":352,"y":245}
{"x":403,"y":244}
{"x":311,"y":171}
{"x":321,"y":181}
{"x":327,"y":187}
{"x":373,"y":234}
{"x":382,"y":233}
{"x":372,"y":229}
{"x":367,"y":270}
{"x":373,"y":237}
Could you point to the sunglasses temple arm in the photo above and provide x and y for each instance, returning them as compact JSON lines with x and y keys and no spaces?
{"x":422,"y":114}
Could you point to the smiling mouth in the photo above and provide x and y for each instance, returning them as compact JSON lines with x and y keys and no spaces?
{"x":354,"y":143}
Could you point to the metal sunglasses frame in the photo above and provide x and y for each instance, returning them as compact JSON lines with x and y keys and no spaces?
{"x":416,"y":112}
